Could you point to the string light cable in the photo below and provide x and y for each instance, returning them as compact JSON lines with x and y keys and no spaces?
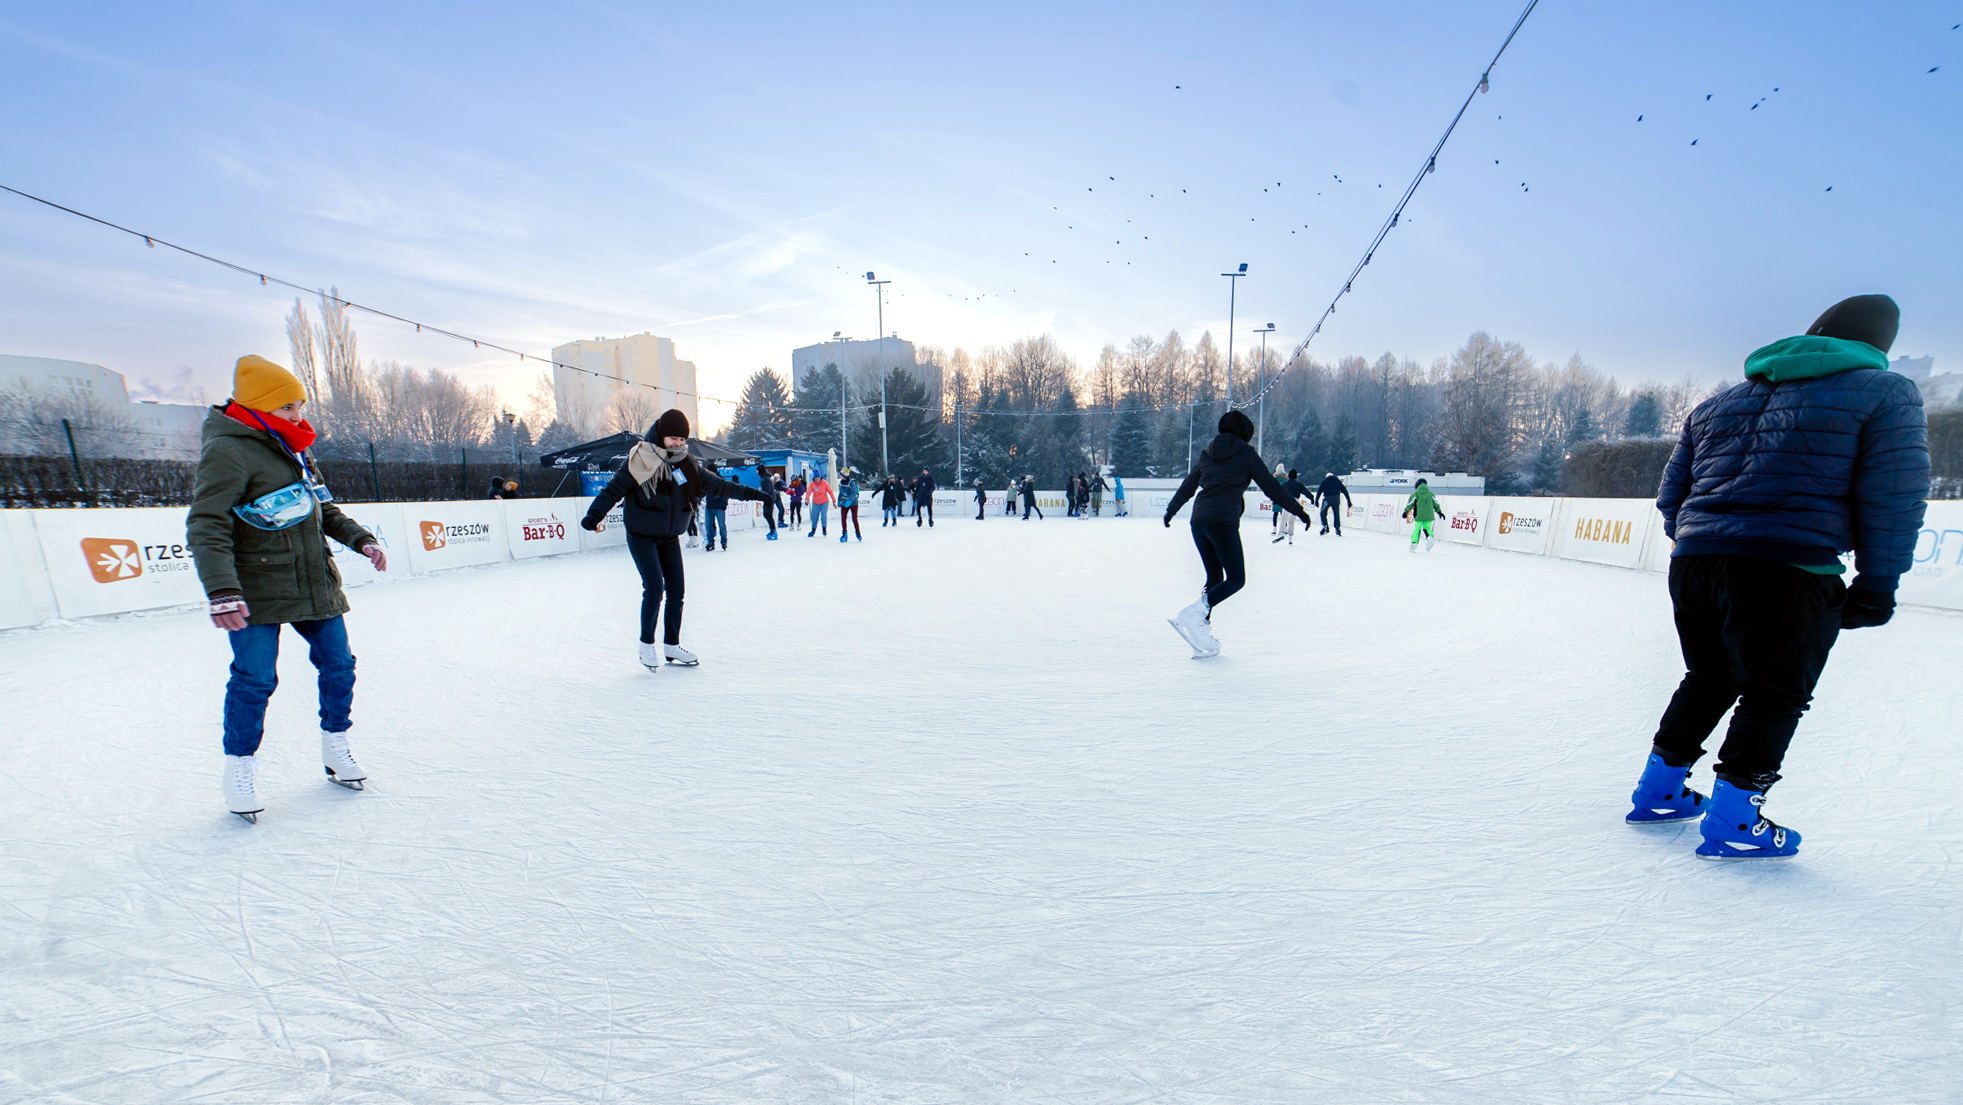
{"x":1430,"y":165}
{"x":152,"y":241}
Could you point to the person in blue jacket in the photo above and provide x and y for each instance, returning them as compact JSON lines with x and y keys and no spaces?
{"x":1821,"y":450}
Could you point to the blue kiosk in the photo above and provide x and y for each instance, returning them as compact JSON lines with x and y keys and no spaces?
{"x":785,"y":462}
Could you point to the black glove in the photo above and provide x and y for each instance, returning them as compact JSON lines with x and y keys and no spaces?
{"x":1866,"y":607}
{"x":590,"y":525}
{"x":1168,"y":521}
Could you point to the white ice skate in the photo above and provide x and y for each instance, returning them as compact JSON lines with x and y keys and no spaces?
{"x":240,"y":795}
{"x":338,"y":760}
{"x":650,"y":657}
{"x":1191,"y":624}
{"x":679,"y":656}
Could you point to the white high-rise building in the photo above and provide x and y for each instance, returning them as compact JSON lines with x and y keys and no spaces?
{"x":643,"y":366}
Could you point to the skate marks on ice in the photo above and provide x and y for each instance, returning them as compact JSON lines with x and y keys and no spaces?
{"x":980,"y":841}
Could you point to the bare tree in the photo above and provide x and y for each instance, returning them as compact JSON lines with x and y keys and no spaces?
{"x":300,"y":336}
{"x":632,"y":409}
{"x":31,"y":419}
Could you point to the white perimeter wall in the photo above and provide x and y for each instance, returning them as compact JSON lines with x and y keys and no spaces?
{"x":87,"y":563}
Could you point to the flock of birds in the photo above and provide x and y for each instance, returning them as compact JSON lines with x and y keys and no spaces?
{"x":1080,"y":222}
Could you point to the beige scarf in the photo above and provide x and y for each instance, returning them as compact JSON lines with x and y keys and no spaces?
{"x":649,"y":464}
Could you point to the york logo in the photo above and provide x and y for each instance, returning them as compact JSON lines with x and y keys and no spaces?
{"x":1608,"y":531}
{"x":434,"y":537}
{"x":111,"y":560}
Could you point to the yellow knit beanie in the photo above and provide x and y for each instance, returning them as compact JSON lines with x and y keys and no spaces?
{"x":264,"y":386}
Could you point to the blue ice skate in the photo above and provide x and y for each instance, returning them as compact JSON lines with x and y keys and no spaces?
{"x":1734,"y":828}
{"x":1663,"y":795}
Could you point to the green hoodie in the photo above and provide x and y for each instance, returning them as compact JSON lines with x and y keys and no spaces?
{"x":1423,"y":505}
{"x":1808,"y":357}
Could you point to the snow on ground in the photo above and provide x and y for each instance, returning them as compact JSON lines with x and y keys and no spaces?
{"x":951,"y":816}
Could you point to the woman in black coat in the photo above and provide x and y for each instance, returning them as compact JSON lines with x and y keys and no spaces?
{"x":661,"y":485}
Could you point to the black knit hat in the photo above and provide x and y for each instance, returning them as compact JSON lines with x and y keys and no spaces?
{"x":672,"y":423}
{"x":1238,"y":424}
{"x":1870,"y":318}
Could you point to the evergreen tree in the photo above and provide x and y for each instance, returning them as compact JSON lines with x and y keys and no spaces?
{"x":763,"y":415}
{"x":913,"y":430}
{"x":1548,"y":465}
{"x":1645,"y":416}
{"x":1131,"y":438}
{"x":1584,"y":428}
{"x":814,"y":424}
{"x":1309,"y":447}
{"x":1175,"y":444}
{"x":559,"y":435}
{"x":1342,"y":447}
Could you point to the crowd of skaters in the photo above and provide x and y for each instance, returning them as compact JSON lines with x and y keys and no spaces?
{"x":1818,"y":425}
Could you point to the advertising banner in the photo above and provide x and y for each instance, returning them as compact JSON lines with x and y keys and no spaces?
{"x":116,"y":561}
{"x":1465,"y":518}
{"x":1657,"y":557}
{"x":1386,"y":513}
{"x":612,"y":535}
{"x":541,"y":527}
{"x":384,"y":520}
{"x":1521,"y":524}
{"x":1605,"y":531}
{"x":455,"y":534}
{"x":1937,"y":578}
{"x":25,"y":597}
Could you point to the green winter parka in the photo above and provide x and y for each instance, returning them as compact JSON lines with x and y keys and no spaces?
{"x":1423,"y":506}
{"x":286,"y":576}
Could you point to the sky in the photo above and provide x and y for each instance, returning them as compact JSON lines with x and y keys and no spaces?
{"x":725,"y":175}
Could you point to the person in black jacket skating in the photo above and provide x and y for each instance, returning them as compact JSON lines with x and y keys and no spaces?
{"x":1225,"y":468}
{"x":1298,"y":491}
{"x":1029,"y":498}
{"x":981,"y":499}
{"x":661,"y":485}
{"x":923,"y":498}
{"x":1331,"y":490}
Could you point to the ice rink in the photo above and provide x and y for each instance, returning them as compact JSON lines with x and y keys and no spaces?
{"x":951,"y":816}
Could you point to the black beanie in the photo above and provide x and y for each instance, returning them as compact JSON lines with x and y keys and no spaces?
{"x":1238,"y":424}
{"x":1870,"y":318}
{"x":672,"y":423}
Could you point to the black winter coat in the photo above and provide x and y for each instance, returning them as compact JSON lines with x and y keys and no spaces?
{"x":1226,"y":466}
{"x":1330,"y":489}
{"x":923,"y":488}
{"x":1297,"y":489}
{"x":670,"y":510}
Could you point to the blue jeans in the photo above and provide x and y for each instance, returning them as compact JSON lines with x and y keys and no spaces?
{"x":820,"y":515}
{"x":890,"y":514}
{"x":718,"y":519}
{"x":255,"y":672}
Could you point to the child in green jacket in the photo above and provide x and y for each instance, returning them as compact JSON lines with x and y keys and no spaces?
{"x":1422,"y":508}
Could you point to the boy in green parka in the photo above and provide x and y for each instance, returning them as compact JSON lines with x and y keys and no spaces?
{"x":1422,"y":507}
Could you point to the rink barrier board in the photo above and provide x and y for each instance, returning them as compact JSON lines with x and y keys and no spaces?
{"x":94,"y":562}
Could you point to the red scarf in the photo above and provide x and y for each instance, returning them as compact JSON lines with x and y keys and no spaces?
{"x":299,"y":436}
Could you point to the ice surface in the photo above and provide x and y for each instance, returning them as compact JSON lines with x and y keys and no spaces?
{"x":951,"y":816}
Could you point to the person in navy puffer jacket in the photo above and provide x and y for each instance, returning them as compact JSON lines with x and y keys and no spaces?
{"x":1820,"y":451}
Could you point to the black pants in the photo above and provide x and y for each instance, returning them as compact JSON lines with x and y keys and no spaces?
{"x":659,"y":560}
{"x":1755,"y":633}
{"x":1029,"y":504}
{"x":1220,"y":551}
{"x":1326,"y":509}
{"x":926,"y":505}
